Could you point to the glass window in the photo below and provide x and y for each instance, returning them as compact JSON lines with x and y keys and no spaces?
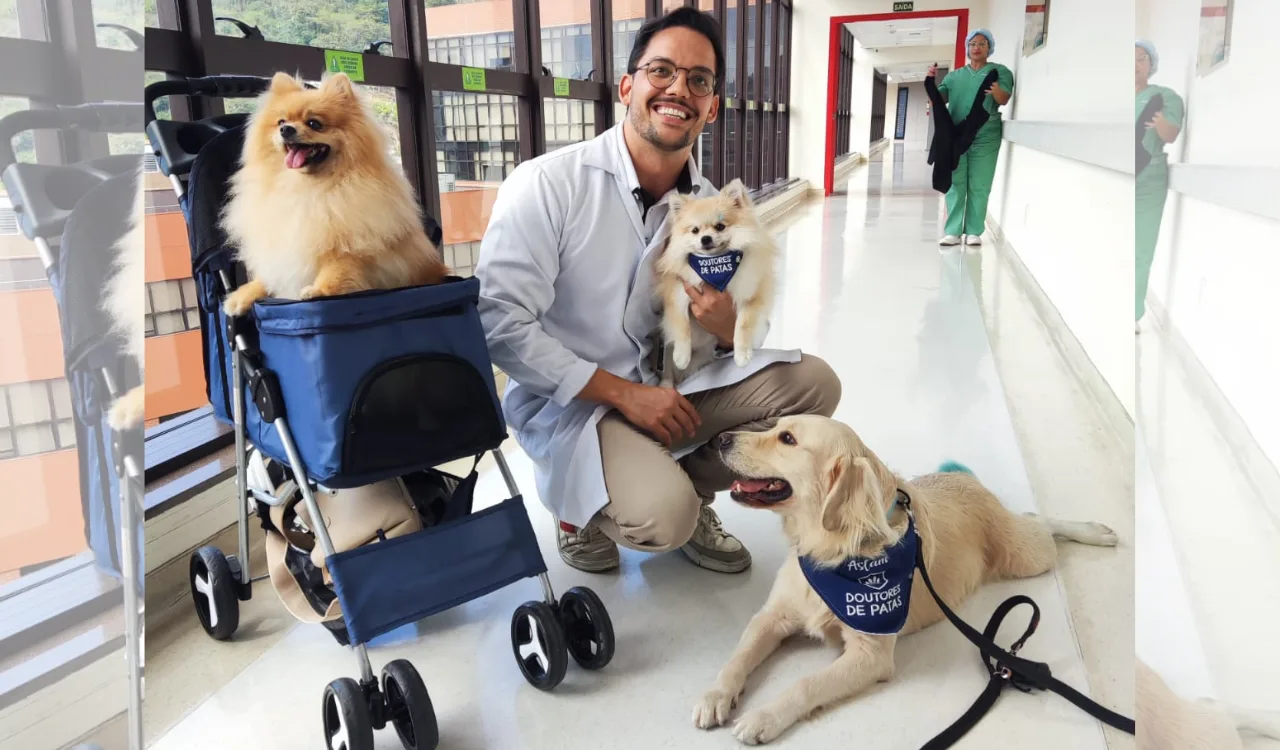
{"x":749,"y":92}
{"x":706,"y":155}
{"x":35,"y":418}
{"x":479,"y":35}
{"x":171,"y":307}
{"x":670,"y":5}
{"x":150,"y":14}
{"x":768,"y":50}
{"x":19,"y":28}
{"x":474,"y":154}
{"x":731,"y":145}
{"x":126,"y":13}
{"x":568,"y":121}
{"x":628,"y":17}
{"x":24,"y":144}
{"x":566,"y":38}
{"x":731,"y":48}
{"x":333,"y":24}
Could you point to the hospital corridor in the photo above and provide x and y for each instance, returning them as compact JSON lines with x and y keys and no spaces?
{"x":1015,"y":268}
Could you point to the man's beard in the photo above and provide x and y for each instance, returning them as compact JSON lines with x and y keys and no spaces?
{"x":649,"y":131}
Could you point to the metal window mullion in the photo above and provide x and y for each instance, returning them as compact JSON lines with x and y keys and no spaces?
{"x":602,"y":57}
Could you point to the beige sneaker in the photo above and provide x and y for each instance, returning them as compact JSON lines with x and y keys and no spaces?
{"x":586,"y":549}
{"x":713,"y":548}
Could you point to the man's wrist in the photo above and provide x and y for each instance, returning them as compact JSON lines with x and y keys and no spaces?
{"x":605,"y":388}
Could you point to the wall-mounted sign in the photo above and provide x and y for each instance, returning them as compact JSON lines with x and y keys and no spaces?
{"x":904,"y":7}
{"x":473,"y":79}
{"x":1036,"y":26}
{"x":351,"y":63}
{"x":1215,"y":34}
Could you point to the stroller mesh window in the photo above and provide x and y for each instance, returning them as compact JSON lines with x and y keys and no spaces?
{"x":414,"y":405}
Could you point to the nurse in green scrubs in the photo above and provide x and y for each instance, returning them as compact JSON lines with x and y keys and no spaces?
{"x":971,"y":182}
{"x":1153,"y":182}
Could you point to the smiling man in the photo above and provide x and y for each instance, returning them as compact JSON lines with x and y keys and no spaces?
{"x":567,"y":302}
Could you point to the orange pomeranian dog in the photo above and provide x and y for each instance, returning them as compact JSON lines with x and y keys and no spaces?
{"x":318,"y":207}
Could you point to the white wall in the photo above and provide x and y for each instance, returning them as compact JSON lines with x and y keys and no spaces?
{"x":1217,"y":269}
{"x":1070,"y":222}
{"x":811,"y":23}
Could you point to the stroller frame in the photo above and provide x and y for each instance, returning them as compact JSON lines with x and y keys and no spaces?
{"x":544,"y":633}
{"x":44,"y":220}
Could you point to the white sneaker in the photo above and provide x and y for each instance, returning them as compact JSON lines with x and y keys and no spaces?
{"x":974,"y":240}
{"x":713,"y":548}
{"x":949,"y":241}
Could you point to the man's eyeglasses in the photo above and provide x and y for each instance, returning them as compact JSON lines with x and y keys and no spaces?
{"x":662,"y":73}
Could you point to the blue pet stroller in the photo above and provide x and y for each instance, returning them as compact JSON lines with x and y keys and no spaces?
{"x":343,"y":392}
{"x":76,"y":215}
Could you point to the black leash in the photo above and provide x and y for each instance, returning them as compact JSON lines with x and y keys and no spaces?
{"x":1005,"y":667}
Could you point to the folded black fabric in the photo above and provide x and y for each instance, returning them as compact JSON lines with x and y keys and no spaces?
{"x":1142,"y":157}
{"x":951,"y":140}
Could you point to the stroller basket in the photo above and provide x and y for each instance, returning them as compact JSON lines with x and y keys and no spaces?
{"x":436,"y":569}
{"x":375,"y":384}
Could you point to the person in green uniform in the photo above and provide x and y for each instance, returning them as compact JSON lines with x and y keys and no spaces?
{"x":1153,"y":181}
{"x":971,"y":181}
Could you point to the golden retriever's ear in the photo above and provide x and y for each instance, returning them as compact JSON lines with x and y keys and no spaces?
{"x":853,"y":492}
{"x":338,"y":83}
{"x":283,"y":83}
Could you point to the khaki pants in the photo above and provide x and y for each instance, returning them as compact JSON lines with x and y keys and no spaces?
{"x":654,"y":500}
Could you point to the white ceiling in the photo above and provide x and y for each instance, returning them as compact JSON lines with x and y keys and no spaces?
{"x":909,"y":32}
{"x":904,"y":73}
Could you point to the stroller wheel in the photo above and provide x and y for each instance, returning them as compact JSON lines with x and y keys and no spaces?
{"x":587,"y":628}
{"x":409,"y":706}
{"x":213,"y":592}
{"x":347,"y":725}
{"x":538,"y":642}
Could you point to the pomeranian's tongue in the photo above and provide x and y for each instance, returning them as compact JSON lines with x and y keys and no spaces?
{"x":753,"y":486}
{"x":296,"y":156}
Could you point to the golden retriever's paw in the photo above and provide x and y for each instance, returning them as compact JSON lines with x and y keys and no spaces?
{"x":758,"y":728}
{"x":713,"y":709}
{"x":1101,"y":536}
{"x":128,"y":410}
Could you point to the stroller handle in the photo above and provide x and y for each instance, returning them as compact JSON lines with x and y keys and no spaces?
{"x":220,"y":86}
{"x":103,"y":117}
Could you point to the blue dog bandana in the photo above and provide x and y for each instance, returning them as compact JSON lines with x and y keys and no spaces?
{"x":716,"y":270}
{"x":870,"y":595}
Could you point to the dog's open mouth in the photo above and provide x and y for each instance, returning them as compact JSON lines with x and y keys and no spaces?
{"x":760,"y":492}
{"x":299,"y":155}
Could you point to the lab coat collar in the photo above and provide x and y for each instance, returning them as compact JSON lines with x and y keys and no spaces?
{"x":609,"y":153}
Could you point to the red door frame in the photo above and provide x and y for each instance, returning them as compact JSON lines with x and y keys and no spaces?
{"x":838,"y":22}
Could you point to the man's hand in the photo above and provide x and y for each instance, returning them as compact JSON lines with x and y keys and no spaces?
{"x":714,"y":311}
{"x":933,"y":71}
{"x":661,"y":412}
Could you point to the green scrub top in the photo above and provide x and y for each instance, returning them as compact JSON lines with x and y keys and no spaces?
{"x":1174,"y":111}
{"x":961,"y":86}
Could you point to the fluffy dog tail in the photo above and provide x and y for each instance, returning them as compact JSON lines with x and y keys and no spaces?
{"x":955,"y":467}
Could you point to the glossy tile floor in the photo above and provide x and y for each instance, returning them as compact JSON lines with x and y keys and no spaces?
{"x":866,"y":287}
{"x":1209,"y":530}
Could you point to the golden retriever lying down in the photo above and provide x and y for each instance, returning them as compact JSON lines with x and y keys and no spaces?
{"x":838,"y":508}
{"x":1168,"y":722}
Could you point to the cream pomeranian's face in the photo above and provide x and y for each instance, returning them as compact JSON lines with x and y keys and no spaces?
{"x":713,"y":225}
{"x":314,"y":131}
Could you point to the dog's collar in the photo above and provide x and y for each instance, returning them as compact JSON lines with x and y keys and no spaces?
{"x":902,"y":500}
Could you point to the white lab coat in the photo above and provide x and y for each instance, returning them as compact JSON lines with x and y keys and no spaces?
{"x":566,"y":286}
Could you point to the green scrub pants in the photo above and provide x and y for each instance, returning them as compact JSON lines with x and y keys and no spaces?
{"x":1150,"y":193}
{"x":971,"y":185}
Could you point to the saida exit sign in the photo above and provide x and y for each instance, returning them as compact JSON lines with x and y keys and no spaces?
{"x":904,"y":7}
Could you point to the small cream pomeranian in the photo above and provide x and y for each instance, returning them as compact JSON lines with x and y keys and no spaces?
{"x":318,"y":207}
{"x":125,"y":307}
{"x":716,"y":241}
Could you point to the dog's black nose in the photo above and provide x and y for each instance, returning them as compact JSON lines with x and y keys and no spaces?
{"x":288,"y":131}
{"x":725,"y":440}
{"x":707,"y":240}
